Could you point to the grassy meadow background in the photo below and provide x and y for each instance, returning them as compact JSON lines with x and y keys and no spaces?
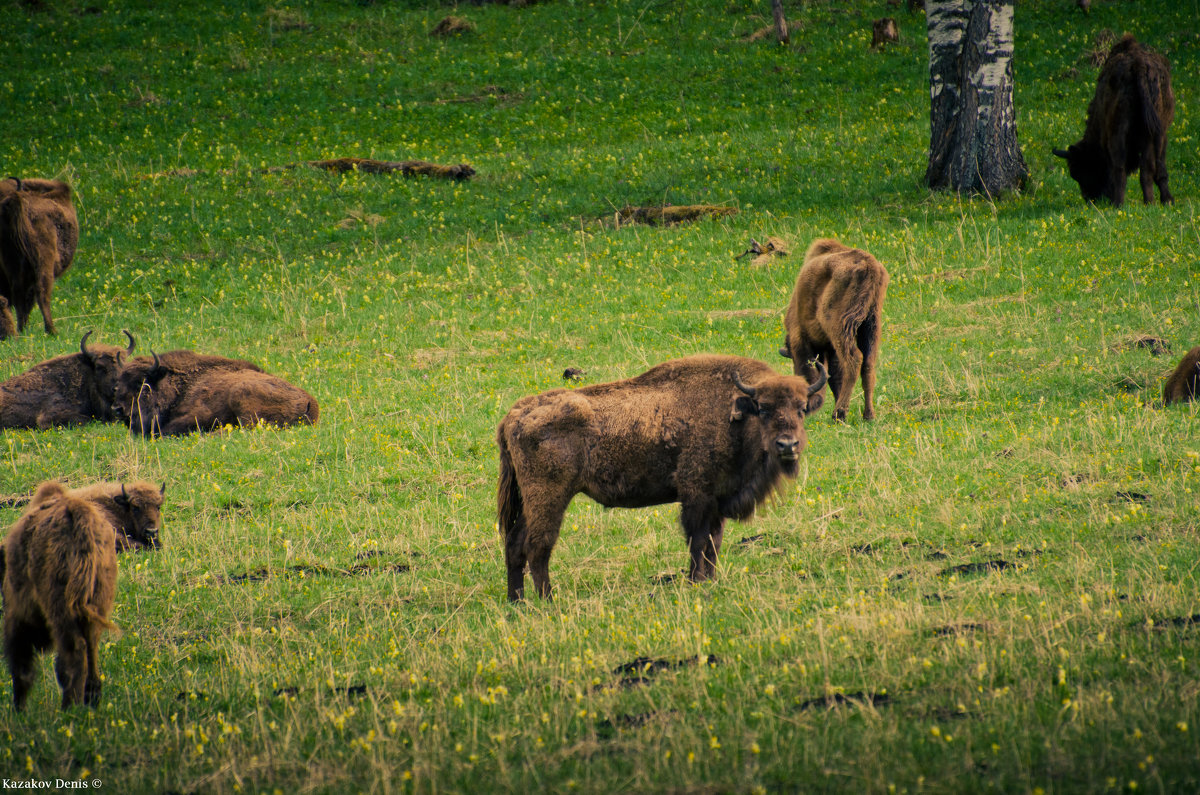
{"x":328,"y":613}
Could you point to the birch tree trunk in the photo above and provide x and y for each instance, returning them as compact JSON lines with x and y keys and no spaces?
{"x":973,"y":131}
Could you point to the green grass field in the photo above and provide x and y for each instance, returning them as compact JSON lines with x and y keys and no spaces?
{"x":328,"y":614}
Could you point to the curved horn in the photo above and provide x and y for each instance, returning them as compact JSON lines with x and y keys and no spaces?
{"x":749,"y":390}
{"x":1063,"y":153}
{"x":132,"y":342}
{"x":20,"y":185}
{"x":83,"y":345}
{"x":822,"y":377}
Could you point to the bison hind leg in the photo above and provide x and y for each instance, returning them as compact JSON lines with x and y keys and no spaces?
{"x":20,"y":651}
{"x":70,"y":665}
{"x":543,"y":520}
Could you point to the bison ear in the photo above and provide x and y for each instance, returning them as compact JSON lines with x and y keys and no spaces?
{"x":122,"y":499}
{"x":815,"y":401}
{"x":742,"y":405}
{"x":1063,"y":153}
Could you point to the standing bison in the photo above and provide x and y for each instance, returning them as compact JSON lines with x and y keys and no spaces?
{"x":38,"y":235}
{"x":182,"y":391}
{"x":1185,"y":380}
{"x":59,"y":571}
{"x":713,"y":433}
{"x":834,"y":316}
{"x":1126,"y":126}
{"x":65,"y":390}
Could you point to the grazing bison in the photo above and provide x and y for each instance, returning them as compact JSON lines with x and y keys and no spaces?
{"x":835,"y":315}
{"x":65,"y":390}
{"x":59,"y":572}
{"x":713,"y":433}
{"x":1184,"y":382}
{"x":38,"y":235}
{"x":181,"y":392}
{"x":1126,"y":126}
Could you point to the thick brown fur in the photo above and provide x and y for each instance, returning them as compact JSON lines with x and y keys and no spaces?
{"x":185,"y":392}
{"x":683,"y":431}
{"x":39,"y":232}
{"x":1184,"y":382}
{"x":66,"y":390}
{"x":59,"y":582}
{"x":1126,"y":127}
{"x":134,"y":509}
{"x":835,"y":315}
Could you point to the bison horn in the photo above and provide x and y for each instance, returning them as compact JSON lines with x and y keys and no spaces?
{"x":17,"y":180}
{"x":749,"y":390}
{"x":83,"y":345}
{"x":822,"y":377}
{"x":1063,"y":153}
{"x":132,"y":341}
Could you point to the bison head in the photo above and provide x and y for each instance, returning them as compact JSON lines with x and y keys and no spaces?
{"x":105,"y":362}
{"x":1089,"y":166}
{"x":778,"y":404}
{"x":135,"y":395}
{"x":143,"y":516}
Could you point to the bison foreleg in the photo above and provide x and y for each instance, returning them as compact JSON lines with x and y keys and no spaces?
{"x":8,"y":327}
{"x":704,"y":527}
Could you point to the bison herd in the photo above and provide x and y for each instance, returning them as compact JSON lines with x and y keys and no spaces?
{"x":717,"y":434}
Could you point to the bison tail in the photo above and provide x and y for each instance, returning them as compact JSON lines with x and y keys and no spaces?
{"x":1151,"y":89}
{"x":509,"y":504}
{"x":16,"y":226}
{"x":83,"y":558}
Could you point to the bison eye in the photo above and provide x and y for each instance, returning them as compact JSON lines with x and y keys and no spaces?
{"x":766,"y":411}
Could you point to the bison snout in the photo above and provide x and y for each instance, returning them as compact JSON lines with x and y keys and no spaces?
{"x":787,"y":449}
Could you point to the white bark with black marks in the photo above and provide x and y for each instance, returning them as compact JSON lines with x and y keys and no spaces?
{"x":973,"y":130}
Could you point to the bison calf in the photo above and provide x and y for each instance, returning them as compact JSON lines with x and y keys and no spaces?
{"x":1183,"y":383}
{"x":713,"y":433}
{"x":834,"y":316}
{"x":65,"y":390}
{"x":181,"y":392}
{"x":1126,"y":129}
{"x":59,"y":571}
{"x":39,"y":232}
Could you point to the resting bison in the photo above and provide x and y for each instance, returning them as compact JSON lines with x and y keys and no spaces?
{"x":713,"y":433}
{"x":65,"y":390}
{"x":181,"y":392}
{"x":59,"y":569}
{"x":1126,"y":126}
{"x":835,"y":315}
{"x":38,"y":235}
{"x":1184,"y":382}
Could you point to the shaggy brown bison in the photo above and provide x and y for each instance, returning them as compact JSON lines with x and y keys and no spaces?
{"x":38,"y":235}
{"x":65,"y":390}
{"x":713,"y":433}
{"x":182,"y":391}
{"x":59,"y":571}
{"x":1184,"y":382}
{"x":1126,"y":126}
{"x":834,"y":316}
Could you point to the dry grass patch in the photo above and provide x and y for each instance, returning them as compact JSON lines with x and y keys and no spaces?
{"x":669,"y":214}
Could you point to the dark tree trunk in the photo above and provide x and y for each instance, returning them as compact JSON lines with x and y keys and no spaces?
{"x":973,"y":132}
{"x":780,"y":23}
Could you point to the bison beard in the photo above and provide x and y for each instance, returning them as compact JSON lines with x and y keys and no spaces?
{"x":1126,"y":128}
{"x":713,"y":433}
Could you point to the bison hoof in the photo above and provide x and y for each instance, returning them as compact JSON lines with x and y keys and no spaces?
{"x":839,"y":415}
